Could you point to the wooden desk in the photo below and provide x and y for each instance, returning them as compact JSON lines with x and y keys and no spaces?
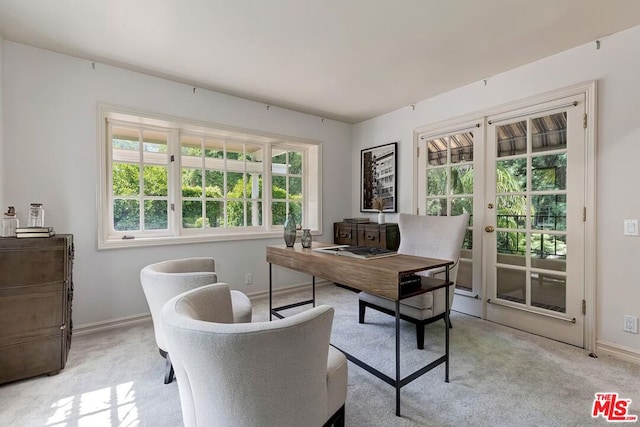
{"x":380,"y":277}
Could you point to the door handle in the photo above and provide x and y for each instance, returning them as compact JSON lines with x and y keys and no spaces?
{"x":489,"y":229}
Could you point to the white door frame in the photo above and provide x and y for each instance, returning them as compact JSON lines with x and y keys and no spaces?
{"x":589,"y":89}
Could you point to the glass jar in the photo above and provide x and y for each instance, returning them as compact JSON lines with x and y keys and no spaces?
{"x":36,"y":215}
{"x":306,"y":238}
{"x":290,"y":230}
{"x":9,"y":223}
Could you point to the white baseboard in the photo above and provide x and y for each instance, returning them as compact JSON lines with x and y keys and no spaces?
{"x":91,"y":328}
{"x":616,"y":350}
{"x":288,"y":289}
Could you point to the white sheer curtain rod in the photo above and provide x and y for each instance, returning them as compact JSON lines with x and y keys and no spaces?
{"x":574,"y":103}
{"x":451,"y":132}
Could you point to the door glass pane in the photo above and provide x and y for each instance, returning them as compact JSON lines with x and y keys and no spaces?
{"x":549,"y":132}
{"x":460,"y":205}
{"x":462,"y":179}
{"x":511,"y":211}
{"x":549,"y":212}
{"x":437,"y":182}
{"x":511,"y":175}
{"x":437,"y":207}
{"x":549,"y":291}
{"x":511,"y":284}
{"x":462,"y":147}
{"x":464,"y":278}
{"x":511,"y":139}
{"x":548,"y":248}
{"x":437,"y":151}
{"x":511,"y":247}
{"x":549,"y":172}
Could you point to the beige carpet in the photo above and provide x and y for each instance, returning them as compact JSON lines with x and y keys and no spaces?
{"x":499,"y":377}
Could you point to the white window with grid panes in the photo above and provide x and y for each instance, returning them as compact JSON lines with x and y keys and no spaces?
{"x":166,"y":180}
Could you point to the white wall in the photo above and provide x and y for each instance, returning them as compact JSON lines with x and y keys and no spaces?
{"x":51,"y":157}
{"x":2,"y":178}
{"x":616,"y":66}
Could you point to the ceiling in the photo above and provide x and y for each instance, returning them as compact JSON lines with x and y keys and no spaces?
{"x":347,"y":60}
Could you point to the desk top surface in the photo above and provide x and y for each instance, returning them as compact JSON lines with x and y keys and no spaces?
{"x":380,"y":276}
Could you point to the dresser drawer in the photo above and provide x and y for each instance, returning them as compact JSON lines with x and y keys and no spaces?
{"x":372,"y":235}
{"x":344,"y":234}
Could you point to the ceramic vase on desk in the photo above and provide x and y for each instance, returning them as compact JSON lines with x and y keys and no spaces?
{"x":306,"y":238}
{"x":290,"y":230}
{"x":381,"y":218}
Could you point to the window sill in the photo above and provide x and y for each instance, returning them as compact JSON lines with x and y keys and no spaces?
{"x":181,"y":240}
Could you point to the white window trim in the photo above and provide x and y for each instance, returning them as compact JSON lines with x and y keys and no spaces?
{"x":312,"y":192}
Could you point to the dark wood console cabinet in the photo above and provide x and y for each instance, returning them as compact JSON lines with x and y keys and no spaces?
{"x":367,"y":234}
{"x":36,"y":292}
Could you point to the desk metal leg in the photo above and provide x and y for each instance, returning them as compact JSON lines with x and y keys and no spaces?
{"x":447,"y":322}
{"x":270,"y":291}
{"x":313,"y":286}
{"x":398,"y":378}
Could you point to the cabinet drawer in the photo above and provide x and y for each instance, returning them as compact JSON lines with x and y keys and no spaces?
{"x":28,"y":266}
{"x":26,"y":313}
{"x":344,"y":234}
{"x":31,"y":357}
{"x":372,"y":235}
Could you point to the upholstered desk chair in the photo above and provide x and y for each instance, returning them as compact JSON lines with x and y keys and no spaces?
{"x":431,"y":237}
{"x":164,"y":280}
{"x":280,"y":373}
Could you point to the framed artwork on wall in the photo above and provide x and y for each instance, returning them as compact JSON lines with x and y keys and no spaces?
{"x":378,"y":180}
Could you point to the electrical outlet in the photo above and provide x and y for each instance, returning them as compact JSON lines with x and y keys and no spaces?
{"x":630,"y":324}
{"x":248,"y":279}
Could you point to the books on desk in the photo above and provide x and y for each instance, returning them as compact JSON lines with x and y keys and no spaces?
{"x":30,"y":232}
{"x":361,"y":252}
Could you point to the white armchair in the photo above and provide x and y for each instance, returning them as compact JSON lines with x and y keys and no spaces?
{"x":438,"y":237}
{"x":280,"y":373}
{"x":164,"y":280}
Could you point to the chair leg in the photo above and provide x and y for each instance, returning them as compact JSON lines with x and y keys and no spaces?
{"x":420,"y":335}
{"x":362,"y":307}
{"x":340,"y":421}
{"x":337,"y":419}
{"x":168,"y":370}
{"x":450,"y":325}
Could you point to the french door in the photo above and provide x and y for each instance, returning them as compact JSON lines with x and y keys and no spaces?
{"x":534,"y":219}
{"x":521,"y":175}
{"x":450,"y":183}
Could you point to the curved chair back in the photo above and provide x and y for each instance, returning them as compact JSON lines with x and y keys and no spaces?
{"x":247,"y":374}
{"x":164,"y":280}
{"x":438,"y":237}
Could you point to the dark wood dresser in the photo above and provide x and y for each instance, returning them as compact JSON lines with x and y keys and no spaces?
{"x":36,"y":292}
{"x":369,"y":234}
